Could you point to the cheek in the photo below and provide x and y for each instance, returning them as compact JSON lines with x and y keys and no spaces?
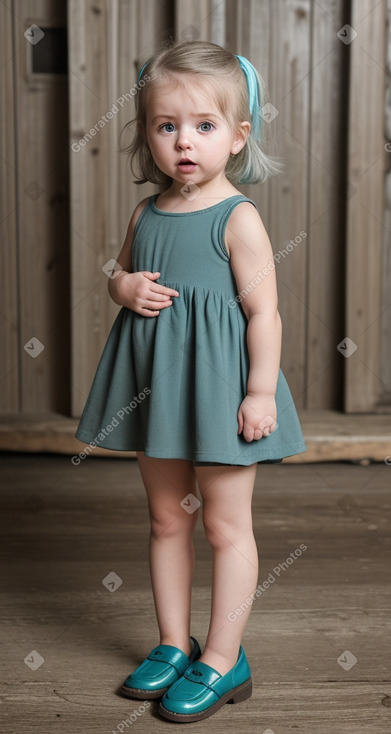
{"x":159,"y":152}
{"x":158,"y":149}
{"x":155,"y":142}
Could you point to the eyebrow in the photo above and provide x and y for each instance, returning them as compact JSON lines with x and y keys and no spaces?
{"x":198,"y":114}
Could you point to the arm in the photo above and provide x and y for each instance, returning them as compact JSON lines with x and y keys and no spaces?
{"x":137,"y":291}
{"x":266,"y":330}
{"x":253,"y":267}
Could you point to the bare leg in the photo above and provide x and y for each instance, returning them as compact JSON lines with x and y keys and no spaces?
{"x":171,"y":550}
{"x":227,"y":494}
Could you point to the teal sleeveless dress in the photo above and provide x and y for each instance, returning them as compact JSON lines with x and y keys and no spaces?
{"x":171,"y":385}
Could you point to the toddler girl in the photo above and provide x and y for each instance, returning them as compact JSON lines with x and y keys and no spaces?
{"x":190,"y":376}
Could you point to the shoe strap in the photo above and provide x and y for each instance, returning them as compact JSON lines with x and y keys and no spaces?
{"x":199,"y":672}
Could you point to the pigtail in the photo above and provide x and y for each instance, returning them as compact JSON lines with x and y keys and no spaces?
{"x":252,"y":165}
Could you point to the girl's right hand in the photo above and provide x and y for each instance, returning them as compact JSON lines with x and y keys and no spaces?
{"x":140,"y":293}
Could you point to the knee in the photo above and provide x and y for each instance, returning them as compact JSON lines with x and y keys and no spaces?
{"x":219,"y":533}
{"x":167,"y":522}
{"x":223,"y":532}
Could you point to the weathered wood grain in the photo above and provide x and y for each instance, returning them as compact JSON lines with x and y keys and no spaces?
{"x":365,"y":192}
{"x":10,"y":366}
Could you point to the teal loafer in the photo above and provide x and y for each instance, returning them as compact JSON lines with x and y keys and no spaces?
{"x":201,"y":691}
{"x":163,"y":666}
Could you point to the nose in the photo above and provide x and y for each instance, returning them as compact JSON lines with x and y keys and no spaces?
{"x":184,"y":140}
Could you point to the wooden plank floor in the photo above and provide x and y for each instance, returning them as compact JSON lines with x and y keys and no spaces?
{"x":65,"y":528}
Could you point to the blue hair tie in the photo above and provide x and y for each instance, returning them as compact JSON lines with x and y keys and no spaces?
{"x":253,"y":93}
{"x":142,"y":71}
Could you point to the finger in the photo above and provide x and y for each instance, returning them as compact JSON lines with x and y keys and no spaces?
{"x":268,"y":424}
{"x":148,"y":312}
{"x":240,"y":423}
{"x":248,"y":433}
{"x":257,"y":433}
{"x":149,"y":275}
{"x":163,"y":289}
{"x":267,"y":430}
{"x":157,"y":288}
{"x":154,"y":305}
{"x":156,"y":296}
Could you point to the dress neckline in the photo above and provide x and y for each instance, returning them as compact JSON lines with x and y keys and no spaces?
{"x":186,"y":214}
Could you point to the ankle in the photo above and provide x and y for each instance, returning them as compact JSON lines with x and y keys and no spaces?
{"x":221,"y":663}
{"x":185,"y":645}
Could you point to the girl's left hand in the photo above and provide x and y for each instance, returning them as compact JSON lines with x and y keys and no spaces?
{"x":257,"y":417}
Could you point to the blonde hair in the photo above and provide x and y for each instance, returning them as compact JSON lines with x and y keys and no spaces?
{"x":221,"y":70}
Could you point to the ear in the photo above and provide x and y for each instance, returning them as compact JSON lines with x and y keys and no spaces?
{"x":241,"y":135}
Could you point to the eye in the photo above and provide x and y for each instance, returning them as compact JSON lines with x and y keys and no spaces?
{"x":167,"y":125}
{"x":209,"y":126}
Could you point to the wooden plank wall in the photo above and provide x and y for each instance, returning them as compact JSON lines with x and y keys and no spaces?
{"x":87,"y":25}
{"x":294,"y":45}
{"x":386,"y":310}
{"x":9,"y":376}
{"x":35,"y":244}
{"x":325,"y":273}
{"x":289,"y":84}
{"x":364,"y":247}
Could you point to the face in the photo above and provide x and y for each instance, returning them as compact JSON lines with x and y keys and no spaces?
{"x":184,"y":124}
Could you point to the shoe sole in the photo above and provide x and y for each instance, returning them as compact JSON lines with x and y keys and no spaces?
{"x":141,"y":694}
{"x":235,"y":695}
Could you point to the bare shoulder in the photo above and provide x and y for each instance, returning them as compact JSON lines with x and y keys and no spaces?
{"x":244,"y":227}
{"x":134,"y":218}
{"x":139,"y":208}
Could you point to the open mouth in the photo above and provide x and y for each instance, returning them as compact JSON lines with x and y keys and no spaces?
{"x":186,"y":165}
